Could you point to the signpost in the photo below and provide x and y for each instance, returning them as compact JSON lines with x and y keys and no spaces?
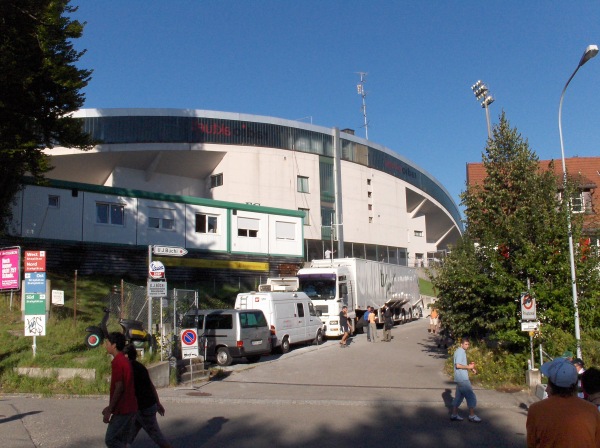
{"x":171,"y":251}
{"x":35,"y":294}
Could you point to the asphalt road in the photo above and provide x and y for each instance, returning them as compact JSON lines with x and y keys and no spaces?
{"x":366,"y":395}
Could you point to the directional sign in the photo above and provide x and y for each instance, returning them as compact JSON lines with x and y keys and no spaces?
{"x":172,"y":251}
{"x":35,"y":261}
{"x":35,"y":304}
{"x":189,"y":343}
{"x":530,"y":326}
{"x":35,"y":282}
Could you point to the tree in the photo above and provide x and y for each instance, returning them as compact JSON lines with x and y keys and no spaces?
{"x":40,"y":85}
{"x":516,"y":234}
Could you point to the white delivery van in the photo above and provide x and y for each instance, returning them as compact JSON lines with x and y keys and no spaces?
{"x":290,"y":315}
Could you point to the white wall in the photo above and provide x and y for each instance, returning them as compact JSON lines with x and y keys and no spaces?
{"x":209,"y":241}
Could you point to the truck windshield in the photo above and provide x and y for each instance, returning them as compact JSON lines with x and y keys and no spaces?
{"x":317,"y":288}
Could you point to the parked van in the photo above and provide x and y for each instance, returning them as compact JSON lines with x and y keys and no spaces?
{"x":230,"y":334}
{"x":291,"y":316}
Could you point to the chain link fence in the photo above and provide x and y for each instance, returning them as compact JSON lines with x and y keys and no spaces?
{"x":129,"y":301}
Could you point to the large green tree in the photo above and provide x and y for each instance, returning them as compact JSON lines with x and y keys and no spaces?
{"x":516,"y":235}
{"x":40,"y":85}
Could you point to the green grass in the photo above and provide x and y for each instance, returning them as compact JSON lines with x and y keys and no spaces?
{"x":426,"y":287}
{"x":63,"y":346}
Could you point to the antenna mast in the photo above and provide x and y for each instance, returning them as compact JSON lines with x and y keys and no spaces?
{"x":360,"y":87}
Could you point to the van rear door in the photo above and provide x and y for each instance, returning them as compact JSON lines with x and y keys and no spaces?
{"x":254,"y":332}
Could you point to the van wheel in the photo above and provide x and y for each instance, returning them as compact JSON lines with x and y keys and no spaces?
{"x":224,"y":357}
{"x":253,"y":359}
{"x":319,"y":338}
{"x":285,"y":345}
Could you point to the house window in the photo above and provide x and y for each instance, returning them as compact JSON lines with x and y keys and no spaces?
{"x":582,"y":202}
{"x":370,"y":206}
{"x":306,"y":220}
{"x":248,"y":227}
{"x":206,"y":223}
{"x":216,"y":180}
{"x":285,"y":230}
{"x":418,"y":233}
{"x":113,"y":214}
{"x":303,"y":184}
{"x":53,"y":201}
{"x":161,"y":223}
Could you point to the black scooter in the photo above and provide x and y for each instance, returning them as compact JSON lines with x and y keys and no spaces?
{"x":132,"y":329}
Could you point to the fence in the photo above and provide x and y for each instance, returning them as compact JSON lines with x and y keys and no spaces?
{"x":130,"y":302}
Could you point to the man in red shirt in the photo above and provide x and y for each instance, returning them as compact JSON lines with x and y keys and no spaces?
{"x":562,"y":420}
{"x":122,"y":407}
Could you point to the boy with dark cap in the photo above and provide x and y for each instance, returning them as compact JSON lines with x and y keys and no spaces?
{"x":562,"y":420}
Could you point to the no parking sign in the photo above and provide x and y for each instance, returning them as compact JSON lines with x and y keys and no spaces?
{"x":189,"y":343}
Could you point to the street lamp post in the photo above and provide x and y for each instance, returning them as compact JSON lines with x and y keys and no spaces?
{"x":590,"y":52}
{"x":482,"y":94}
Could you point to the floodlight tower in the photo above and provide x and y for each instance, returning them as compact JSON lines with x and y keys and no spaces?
{"x":482,"y":94}
{"x":360,"y":88}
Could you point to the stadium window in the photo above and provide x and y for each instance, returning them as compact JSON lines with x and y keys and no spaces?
{"x":113,"y":214}
{"x":418,"y":233}
{"x":216,"y":180}
{"x":306,"y":219}
{"x":206,"y":223}
{"x":303,"y":184}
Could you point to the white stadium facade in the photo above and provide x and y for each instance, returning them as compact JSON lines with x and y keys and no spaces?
{"x":237,"y":191}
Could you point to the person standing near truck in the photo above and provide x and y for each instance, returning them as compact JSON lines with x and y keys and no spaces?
{"x":388,"y":324}
{"x":344,"y":326}
{"x":373,"y":324}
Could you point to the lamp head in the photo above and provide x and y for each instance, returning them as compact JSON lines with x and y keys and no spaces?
{"x":590,"y":52}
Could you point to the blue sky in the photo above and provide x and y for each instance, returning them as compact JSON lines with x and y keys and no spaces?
{"x":299,"y":59}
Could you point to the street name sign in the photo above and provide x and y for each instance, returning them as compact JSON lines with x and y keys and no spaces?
{"x":171,"y":251}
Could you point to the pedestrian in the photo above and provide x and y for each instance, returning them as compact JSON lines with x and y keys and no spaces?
{"x":388,"y":324}
{"x":590,"y":382}
{"x":148,"y":402}
{"x":562,"y":420}
{"x":433,"y":320}
{"x":463,"y":385}
{"x":373,"y":324}
{"x":366,"y":322}
{"x":122,"y":406}
{"x":580,"y":367}
{"x":344,"y":327}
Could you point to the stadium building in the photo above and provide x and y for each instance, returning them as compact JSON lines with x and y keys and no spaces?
{"x":235,"y":188}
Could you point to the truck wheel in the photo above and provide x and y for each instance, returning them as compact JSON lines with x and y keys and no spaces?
{"x":93,"y":340}
{"x":224,"y":357}
{"x":285,"y":345}
{"x":319,"y":338}
{"x":253,"y":359}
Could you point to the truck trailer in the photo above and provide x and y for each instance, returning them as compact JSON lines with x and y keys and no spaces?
{"x":358,"y":284}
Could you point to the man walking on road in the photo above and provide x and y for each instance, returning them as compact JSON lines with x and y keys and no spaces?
{"x":122,"y":407}
{"x":463,"y":385}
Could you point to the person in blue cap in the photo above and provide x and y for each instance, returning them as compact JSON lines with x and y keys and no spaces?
{"x":562,"y":420}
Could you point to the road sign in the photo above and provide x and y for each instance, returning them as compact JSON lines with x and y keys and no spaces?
{"x":528,"y":307}
{"x":58,"y":297}
{"x":35,"y":261}
{"x":530,"y":326}
{"x":35,"y":304}
{"x":189,"y":343}
{"x":157,"y":288}
{"x":171,"y":251}
{"x":35,"y":282}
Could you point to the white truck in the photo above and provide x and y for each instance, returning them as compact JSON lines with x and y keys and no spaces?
{"x":291,"y":317}
{"x":359,"y":283}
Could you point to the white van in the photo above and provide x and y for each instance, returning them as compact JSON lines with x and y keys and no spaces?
{"x":290,"y":315}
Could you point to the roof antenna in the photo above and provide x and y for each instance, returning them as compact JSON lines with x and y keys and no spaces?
{"x":360,"y":87}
